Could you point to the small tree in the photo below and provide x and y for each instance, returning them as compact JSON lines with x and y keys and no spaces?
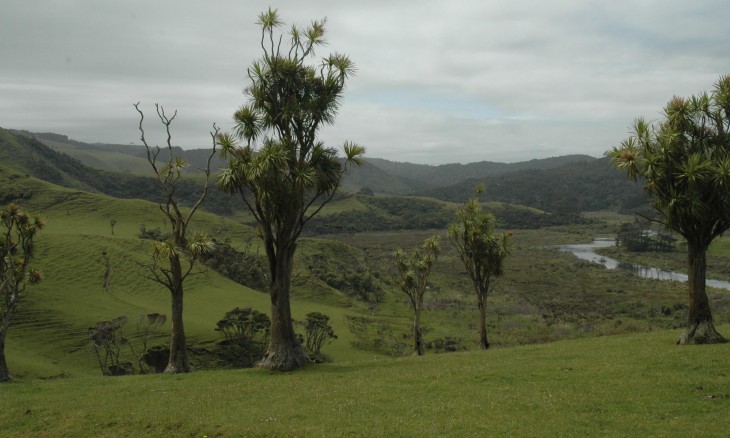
{"x":241,"y":326}
{"x":18,"y":231}
{"x":107,"y":339}
{"x":291,"y":176}
{"x":167,"y":266}
{"x":414,"y":270}
{"x":246,"y":331}
{"x":317,"y":330}
{"x":684,"y":161}
{"x":482,"y":251}
{"x":148,"y":326}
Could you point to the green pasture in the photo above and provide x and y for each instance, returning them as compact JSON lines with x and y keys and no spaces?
{"x":629,"y":385}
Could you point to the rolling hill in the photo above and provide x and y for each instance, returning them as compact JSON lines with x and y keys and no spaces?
{"x":567,"y":184}
{"x":30,"y":156}
{"x":568,"y":188}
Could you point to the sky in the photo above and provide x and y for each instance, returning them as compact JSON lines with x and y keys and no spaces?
{"x":437,"y":81}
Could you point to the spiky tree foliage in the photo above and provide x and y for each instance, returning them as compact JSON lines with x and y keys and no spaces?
{"x":684,"y":161}
{"x":281,"y":171}
{"x":17,"y":233}
{"x":482,"y":251}
{"x":173,"y":259}
{"x":414,"y":270}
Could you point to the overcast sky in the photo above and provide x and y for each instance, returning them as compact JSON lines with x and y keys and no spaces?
{"x":437,"y":81}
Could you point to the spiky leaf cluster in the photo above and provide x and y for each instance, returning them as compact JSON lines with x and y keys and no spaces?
{"x":415,"y":268}
{"x":684,"y":161}
{"x":18,"y":230}
{"x":282,"y":171}
{"x":480,"y":248}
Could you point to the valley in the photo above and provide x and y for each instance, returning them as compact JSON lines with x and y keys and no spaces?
{"x":344,"y":269}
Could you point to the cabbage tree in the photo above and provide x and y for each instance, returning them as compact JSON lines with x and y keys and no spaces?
{"x":684,"y":163}
{"x":276,"y":163}
{"x":482,"y":251}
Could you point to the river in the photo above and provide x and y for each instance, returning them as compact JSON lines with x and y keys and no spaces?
{"x":586,"y":251}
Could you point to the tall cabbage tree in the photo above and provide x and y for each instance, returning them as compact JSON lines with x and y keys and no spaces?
{"x":283,"y":173}
{"x":482,"y":251}
{"x":684,"y":163}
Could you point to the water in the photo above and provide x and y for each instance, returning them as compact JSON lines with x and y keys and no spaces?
{"x":585,"y":251}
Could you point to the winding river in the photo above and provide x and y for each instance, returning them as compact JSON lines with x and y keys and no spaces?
{"x":586,"y":251}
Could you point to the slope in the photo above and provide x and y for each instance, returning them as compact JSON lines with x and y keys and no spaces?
{"x":117,"y":157}
{"x":29,"y":156}
{"x":49,"y":337}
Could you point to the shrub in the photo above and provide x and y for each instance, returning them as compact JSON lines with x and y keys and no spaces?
{"x":246,"y":333}
{"x":106,"y":339}
{"x":317,"y":331}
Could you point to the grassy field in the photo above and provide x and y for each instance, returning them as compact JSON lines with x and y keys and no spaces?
{"x":628,"y":385}
{"x":580,"y":383}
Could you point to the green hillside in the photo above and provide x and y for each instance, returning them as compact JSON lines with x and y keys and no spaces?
{"x":545,"y":295}
{"x":109,"y":159}
{"x":28,"y":155}
{"x":365,"y":213}
{"x":55,"y":318}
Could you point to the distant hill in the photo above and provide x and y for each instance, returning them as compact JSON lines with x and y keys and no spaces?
{"x":573,"y":187}
{"x":422,"y":176}
{"x":567,"y":184}
{"x":371,"y":176}
{"x":29,"y":155}
{"x":131,"y":159}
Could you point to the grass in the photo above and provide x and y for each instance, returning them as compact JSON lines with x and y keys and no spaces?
{"x":638,"y":384}
{"x":630,"y":385}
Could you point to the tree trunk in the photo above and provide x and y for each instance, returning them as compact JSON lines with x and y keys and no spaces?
{"x":417,"y":334}
{"x":483,"y":340}
{"x":700,"y":328}
{"x":178,"y":361}
{"x":4,"y":372}
{"x":284,"y":353}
